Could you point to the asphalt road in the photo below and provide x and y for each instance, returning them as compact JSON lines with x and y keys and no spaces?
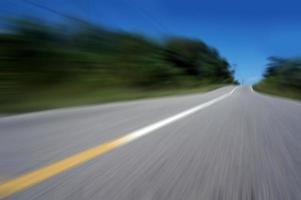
{"x":246,"y":146}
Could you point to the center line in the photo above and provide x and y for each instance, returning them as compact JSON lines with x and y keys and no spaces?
{"x":37,"y":176}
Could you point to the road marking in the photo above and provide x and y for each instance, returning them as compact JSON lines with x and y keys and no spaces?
{"x":32,"y":178}
{"x":251,"y":87}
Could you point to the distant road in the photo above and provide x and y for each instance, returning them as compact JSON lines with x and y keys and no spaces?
{"x":228,"y":144}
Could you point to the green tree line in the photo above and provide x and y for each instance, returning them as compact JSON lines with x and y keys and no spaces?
{"x":35,"y":55}
{"x":282,"y":77}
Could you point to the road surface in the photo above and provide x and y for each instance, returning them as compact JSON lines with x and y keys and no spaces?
{"x":227,"y":144}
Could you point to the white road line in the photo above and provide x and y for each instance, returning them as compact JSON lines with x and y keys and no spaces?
{"x":251,"y":88}
{"x":39,"y":175}
{"x":148,"y":129}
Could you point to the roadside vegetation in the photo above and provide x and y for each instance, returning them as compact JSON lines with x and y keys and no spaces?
{"x":46,"y":66}
{"x":282,"y":78}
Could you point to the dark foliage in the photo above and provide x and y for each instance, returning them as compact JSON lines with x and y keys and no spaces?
{"x":34,"y":56}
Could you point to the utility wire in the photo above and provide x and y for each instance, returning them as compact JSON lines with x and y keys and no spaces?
{"x":143,"y":12}
{"x":41,"y":6}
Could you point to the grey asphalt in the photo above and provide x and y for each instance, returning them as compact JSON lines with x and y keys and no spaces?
{"x":244,"y":147}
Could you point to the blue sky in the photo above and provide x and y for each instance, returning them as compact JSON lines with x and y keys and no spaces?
{"x":245,"y":32}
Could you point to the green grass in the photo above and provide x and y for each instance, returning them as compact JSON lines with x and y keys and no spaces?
{"x":273,"y":88}
{"x":77,"y":96}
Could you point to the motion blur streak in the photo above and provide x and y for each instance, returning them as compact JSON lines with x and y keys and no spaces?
{"x":40,"y":175}
{"x":138,"y":100}
{"x":245,"y":147}
{"x":44,"y":66}
{"x":35,"y":177}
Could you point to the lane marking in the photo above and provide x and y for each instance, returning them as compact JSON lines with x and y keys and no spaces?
{"x":32,"y":178}
{"x":251,"y":87}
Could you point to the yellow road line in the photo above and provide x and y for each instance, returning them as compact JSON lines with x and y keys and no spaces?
{"x":32,"y":178}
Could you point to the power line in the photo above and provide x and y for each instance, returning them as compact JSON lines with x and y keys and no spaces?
{"x":41,"y":6}
{"x":157,"y":24}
